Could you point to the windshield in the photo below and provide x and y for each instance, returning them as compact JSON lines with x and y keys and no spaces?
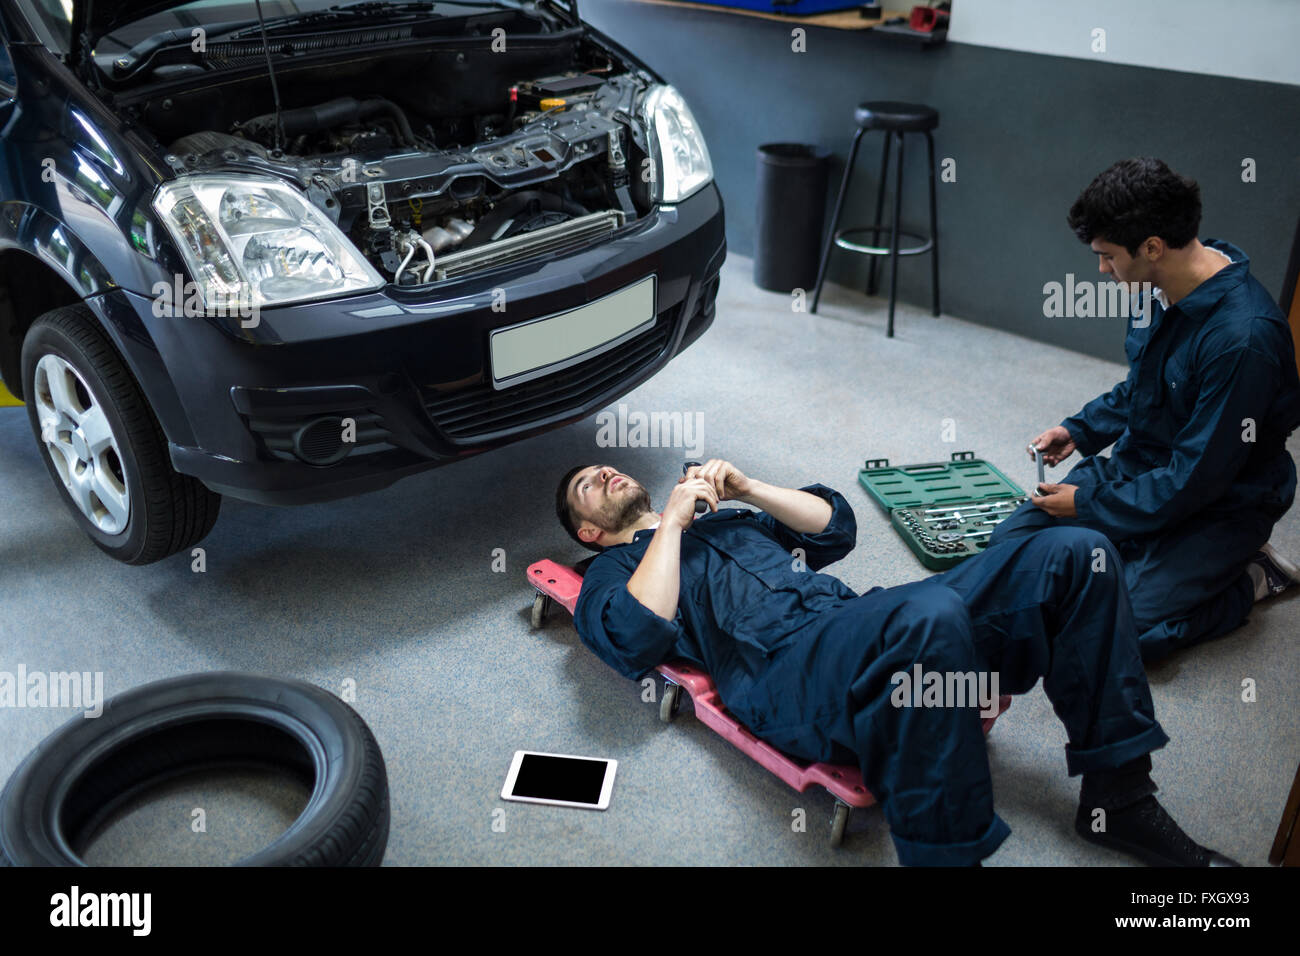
{"x":56,"y":15}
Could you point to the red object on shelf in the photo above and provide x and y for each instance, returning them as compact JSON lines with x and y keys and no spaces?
{"x":562,"y":583}
{"x":928,"y":19}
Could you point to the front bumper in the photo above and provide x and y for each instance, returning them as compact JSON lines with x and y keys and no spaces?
{"x":410,"y":370}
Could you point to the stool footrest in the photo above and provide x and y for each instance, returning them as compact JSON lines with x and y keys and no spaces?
{"x":927,"y":242}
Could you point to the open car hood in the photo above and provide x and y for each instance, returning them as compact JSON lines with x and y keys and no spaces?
{"x":92,"y":19}
{"x":98,"y":17}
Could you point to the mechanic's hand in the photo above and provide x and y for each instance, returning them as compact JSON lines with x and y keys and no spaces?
{"x":728,"y":482}
{"x":1055,"y":444}
{"x":680,"y":510}
{"x":1056,"y":500}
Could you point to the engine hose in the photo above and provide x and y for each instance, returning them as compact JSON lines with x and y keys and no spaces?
{"x":399,"y":117}
{"x":336,"y":112}
{"x":397,"y":276}
{"x":428,"y":272}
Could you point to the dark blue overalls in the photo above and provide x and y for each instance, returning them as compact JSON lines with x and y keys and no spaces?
{"x":808,"y":664}
{"x":1200,"y":472}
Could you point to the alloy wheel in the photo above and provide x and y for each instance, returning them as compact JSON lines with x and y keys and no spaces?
{"x":80,"y":442}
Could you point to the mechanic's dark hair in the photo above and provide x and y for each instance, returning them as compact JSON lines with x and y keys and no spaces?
{"x":1134,"y":199}
{"x":564,"y":511}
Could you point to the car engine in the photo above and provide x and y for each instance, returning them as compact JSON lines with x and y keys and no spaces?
{"x":428,"y":198}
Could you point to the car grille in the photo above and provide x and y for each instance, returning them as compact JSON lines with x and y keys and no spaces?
{"x":482,"y":412}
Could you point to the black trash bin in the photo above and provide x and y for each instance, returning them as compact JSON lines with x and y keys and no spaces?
{"x":791,"y":210}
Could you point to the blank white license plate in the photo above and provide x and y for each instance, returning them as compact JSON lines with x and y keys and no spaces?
{"x":542,"y":346}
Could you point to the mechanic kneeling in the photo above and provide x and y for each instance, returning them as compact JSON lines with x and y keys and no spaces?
{"x":807,"y":664}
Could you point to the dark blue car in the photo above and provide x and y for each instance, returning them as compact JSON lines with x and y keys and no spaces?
{"x":295,"y":252}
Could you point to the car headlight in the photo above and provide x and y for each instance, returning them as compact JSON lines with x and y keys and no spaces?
{"x":677,"y":148}
{"x":258,"y":241}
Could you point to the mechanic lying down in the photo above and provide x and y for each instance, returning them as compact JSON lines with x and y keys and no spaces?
{"x":806,"y":663}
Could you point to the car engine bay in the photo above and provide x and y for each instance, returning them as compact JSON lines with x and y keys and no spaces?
{"x":435,"y":162}
{"x":407,"y":198}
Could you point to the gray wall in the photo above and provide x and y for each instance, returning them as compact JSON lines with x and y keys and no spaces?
{"x":1028,"y":132}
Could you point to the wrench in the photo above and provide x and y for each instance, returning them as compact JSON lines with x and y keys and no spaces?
{"x":948,"y":536}
{"x":1042,"y":475}
{"x":961,"y":512}
{"x":701,"y":505}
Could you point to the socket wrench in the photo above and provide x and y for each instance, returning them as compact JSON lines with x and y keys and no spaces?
{"x":1042,"y":475}
{"x":701,"y":505}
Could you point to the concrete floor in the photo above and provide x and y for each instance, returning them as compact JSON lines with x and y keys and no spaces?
{"x":396,"y":591}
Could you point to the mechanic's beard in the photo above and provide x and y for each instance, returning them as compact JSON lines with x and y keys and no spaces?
{"x":622,"y":515}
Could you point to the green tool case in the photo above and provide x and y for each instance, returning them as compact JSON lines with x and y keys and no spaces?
{"x":945,"y":511}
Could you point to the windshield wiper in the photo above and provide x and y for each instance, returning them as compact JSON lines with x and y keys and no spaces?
{"x":138,"y":56}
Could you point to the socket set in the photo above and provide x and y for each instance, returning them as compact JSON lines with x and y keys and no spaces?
{"x":960,"y":531}
{"x":944,"y":511}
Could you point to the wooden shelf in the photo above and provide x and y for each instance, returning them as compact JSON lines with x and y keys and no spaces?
{"x":839,"y":20}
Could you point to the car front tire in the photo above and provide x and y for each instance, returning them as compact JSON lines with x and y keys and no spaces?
{"x":103,"y":445}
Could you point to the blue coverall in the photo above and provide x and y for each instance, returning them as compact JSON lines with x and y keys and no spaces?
{"x":806,"y":663}
{"x":1200,"y":472}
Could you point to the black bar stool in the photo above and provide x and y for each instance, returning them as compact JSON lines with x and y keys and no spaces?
{"x":895,"y":119}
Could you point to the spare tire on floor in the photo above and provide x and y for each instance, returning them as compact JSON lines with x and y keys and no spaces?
{"x":69,"y":786}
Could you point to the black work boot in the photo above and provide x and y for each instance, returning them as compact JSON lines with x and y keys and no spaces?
{"x":1134,"y":821}
{"x":1146,"y":830}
